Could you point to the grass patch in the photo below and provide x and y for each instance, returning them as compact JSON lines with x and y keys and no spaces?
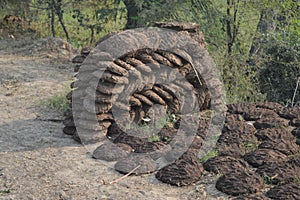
{"x":58,"y":101}
{"x":4,"y":191}
{"x":249,"y":146}
{"x":167,"y":121}
{"x":155,"y":138}
{"x":211,"y":154}
{"x":269,"y":180}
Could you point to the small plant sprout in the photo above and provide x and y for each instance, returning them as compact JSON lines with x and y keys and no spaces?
{"x":58,"y":101}
{"x":211,"y":154}
{"x":4,"y":191}
{"x":155,"y":138}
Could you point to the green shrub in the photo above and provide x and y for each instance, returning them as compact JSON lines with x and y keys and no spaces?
{"x":280,"y":70}
{"x":240,"y":82}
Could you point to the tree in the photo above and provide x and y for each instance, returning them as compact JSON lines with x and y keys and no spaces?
{"x":276,"y":51}
{"x":132,"y":14}
{"x":59,"y":12}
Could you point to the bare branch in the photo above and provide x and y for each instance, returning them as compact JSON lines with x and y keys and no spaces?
{"x":297,"y":84}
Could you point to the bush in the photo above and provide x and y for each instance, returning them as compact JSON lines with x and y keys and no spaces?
{"x":240,"y":82}
{"x":280,"y":70}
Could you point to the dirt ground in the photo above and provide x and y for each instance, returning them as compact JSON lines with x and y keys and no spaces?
{"x":38,"y":161}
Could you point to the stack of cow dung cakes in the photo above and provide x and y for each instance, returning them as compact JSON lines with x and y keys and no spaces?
{"x":256,"y":155}
{"x":98,"y":91}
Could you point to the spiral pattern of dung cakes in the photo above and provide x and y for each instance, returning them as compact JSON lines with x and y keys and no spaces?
{"x":150,"y":101}
{"x":143,"y":78}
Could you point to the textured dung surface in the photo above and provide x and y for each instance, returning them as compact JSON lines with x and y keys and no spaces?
{"x":139,"y":145}
{"x":251,"y":197}
{"x":146,"y":164}
{"x":240,"y":108}
{"x":260,"y":157}
{"x":225,"y":165}
{"x":259,"y":113}
{"x":235,"y":137}
{"x":239,"y":183}
{"x":287,"y":147}
{"x":140,"y":64}
{"x":271,"y":122}
{"x":114,"y":79}
{"x":184,"y":171}
{"x":290,"y":112}
{"x":264,"y":135}
{"x":111,"y":152}
{"x":261,"y":137}
{"x":289,"y":191}
{"x":279,"y":172}
{"x":114,"y":82}
{"x":274,"y":135}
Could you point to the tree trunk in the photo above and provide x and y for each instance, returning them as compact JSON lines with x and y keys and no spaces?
{"x":132,"y":14}
{"x":264,"y":25}
{"x":228,"y":28}
{"x":60,"y":18}
{"x":92,"y":27}
{"x":232,"y":24}
{"x":53,"y":18}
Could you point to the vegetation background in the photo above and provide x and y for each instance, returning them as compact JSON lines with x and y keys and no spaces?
{"x":254,"y":43}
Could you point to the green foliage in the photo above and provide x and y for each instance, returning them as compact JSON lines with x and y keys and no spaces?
{"x":275,"y":36}
{"x":268,"y":180}
{"x":280,"y":71}
{"x":152,"y":128}
{"x":211,"y":154}
{"x":255,"y":44}
{"x":240,"y":82}
{"x":4,"y":191}
{"x":155,"y":138}
{"x":84,"y":21}
{"x":279,"y":59}
{"x":93,"y":20}
{"x":232,"y":26}
{"x":167,"y":121}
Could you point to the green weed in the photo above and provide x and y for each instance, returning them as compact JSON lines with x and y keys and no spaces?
{"x":155,"y":138}
{"x":58,"y":102}
{"x":211,"y":154}
{"x":4,"y":191}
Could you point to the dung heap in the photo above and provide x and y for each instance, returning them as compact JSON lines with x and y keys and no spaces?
{"x":100,"y":102}
{"x":256,"y":154}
